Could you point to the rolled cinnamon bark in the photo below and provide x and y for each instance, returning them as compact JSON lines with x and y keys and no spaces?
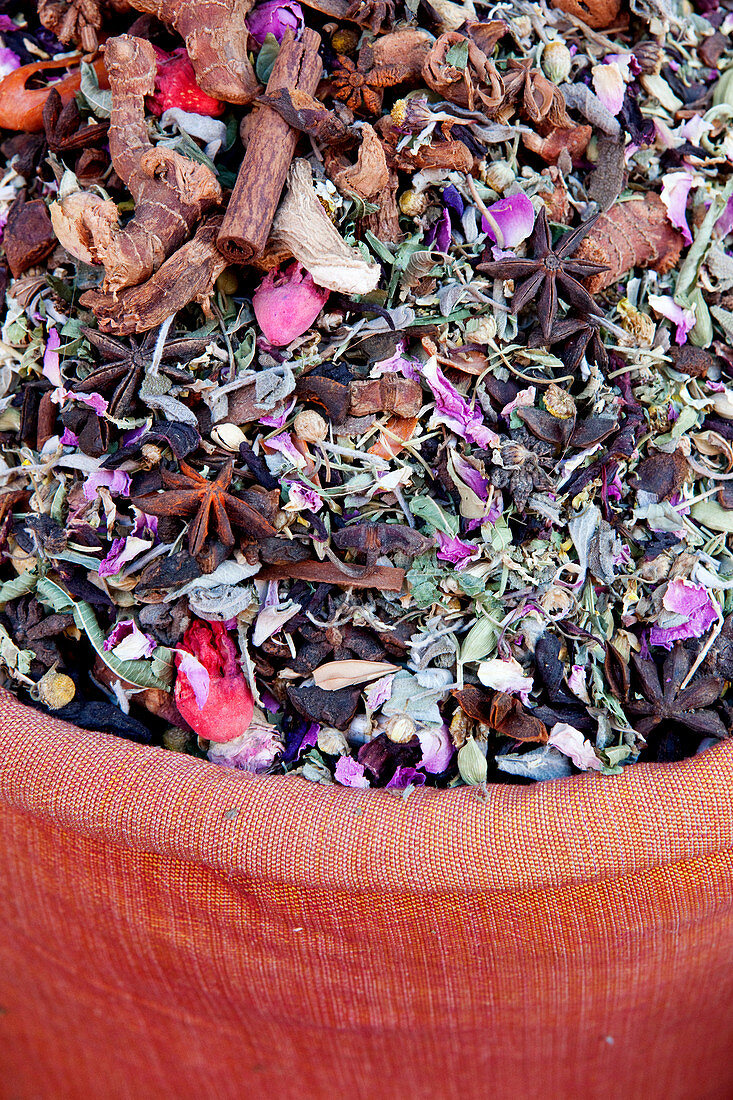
{"x":269,"y":153}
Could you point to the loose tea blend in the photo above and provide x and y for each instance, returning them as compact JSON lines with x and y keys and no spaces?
{"x":366,"y":381}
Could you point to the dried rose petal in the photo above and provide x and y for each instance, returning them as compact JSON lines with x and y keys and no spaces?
{"x":287,"y":303}
{"x":690,"y":600}
{"x":275,"y":18}
{"x":175,"y":86}
{"x":228,"y":708}
{"x":676,"y":187}
{"x":512,"y":220}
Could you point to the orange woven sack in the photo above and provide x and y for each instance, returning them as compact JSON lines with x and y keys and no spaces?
{"x":170,"y":928}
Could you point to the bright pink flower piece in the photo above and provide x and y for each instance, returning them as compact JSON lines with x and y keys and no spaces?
{"x":514,"y":217}
{"x":228,"y":708}
{"x":287,"y":303}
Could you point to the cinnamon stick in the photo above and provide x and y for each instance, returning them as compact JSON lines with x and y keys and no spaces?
{"x":383,"y":577}
{"x":270,"y":150}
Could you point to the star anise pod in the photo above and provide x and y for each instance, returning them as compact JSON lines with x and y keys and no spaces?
{"x":377,"y":15}
{"x":357,"y":85}
{"x":63,"y":126}
{"x":581,"y":337}
{"x":119,"y":379}
{"x":665,"y":700}
{"x":189,"y":493}
{"x":547,"y":268}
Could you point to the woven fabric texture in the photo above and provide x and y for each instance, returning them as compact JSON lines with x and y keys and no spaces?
{"x":170,"y":928}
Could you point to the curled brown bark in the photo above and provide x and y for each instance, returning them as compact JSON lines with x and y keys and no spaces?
{"x":475,"y":85}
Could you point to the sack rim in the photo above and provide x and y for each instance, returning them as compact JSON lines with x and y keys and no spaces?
{"x":288,"y":830}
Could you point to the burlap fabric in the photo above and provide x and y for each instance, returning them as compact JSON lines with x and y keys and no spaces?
{"x":170,"y":928}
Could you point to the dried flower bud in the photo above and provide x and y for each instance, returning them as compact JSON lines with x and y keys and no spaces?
{"x":498,"y":175}
{"x":556,"y":61}
{"x":559,"y":403}
{"x":228,"y":436}
{"x":472,"y":764}
{"x":460,"y":728}
{"x":177,"y":740}
{"x":151,"y":455}
{"x":649,"y":56}
{"x":56,"y":689}
{"x":413,"y":203}
{"x":345,"y":40}
{"x":400,"y":729}
{"x":701,"y":334}
{"x":332,"y":741}
{"x":640,"y":325}
{"x":310,"y":426}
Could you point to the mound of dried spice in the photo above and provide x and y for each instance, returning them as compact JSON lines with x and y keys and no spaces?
{"x":366,"y":386}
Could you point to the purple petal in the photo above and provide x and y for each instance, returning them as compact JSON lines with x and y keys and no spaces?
{"x":676,"y":187}
{"x":437,"y":748}
{"x":683,"y":318}
{"x":512,"y":220}
{"x":196,"y":674}
{"x":350,"y":773}
{"x":455,"y":551}
{"x":9,"y":61}
{"x":471,"y":477}
{"x":94,"y":400}
{"x":51,"y":368}
{"x":452,"y":198}
{"x":122,"y":551}
{"x":128,"y":642}
{"x":683,"y":598}
{"x":454,"y":411}
{"x":275,"y":17}
{"x":405,"y":777}
{"x":117,"y":481}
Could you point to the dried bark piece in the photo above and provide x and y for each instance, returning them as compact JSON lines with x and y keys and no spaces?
{"x":385,"y":222}
{"x":305,"y":228}
{"x":28,"y":235}
{"x":400,"y":56}
{"x":323,"y":572}
{"x":690,"y":360}
{"x":509,"y":718}
{"x":171,"y":192}
{"x":330,"y":395}
{"x":308,"y":115}
{"x":401,"y":396}
{"x":188,"y":276}
{"x":573,"y":142}
{"x":632,"y":234}
{"x":594,"y":13}
{"x":216,"y":36}
{"x":370,"y":175}
{"x":475,"y":85}
{"x":662,"y":474}
{"x":331,"y":708}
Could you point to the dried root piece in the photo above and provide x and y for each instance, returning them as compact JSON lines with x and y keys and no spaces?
{"x":305,"y":228}
{"x":188,"y":276}
{"x":632,"y":234}
{"x":170,"y":191}
{"x":215,"y":34}
{"x":78,"y":21}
